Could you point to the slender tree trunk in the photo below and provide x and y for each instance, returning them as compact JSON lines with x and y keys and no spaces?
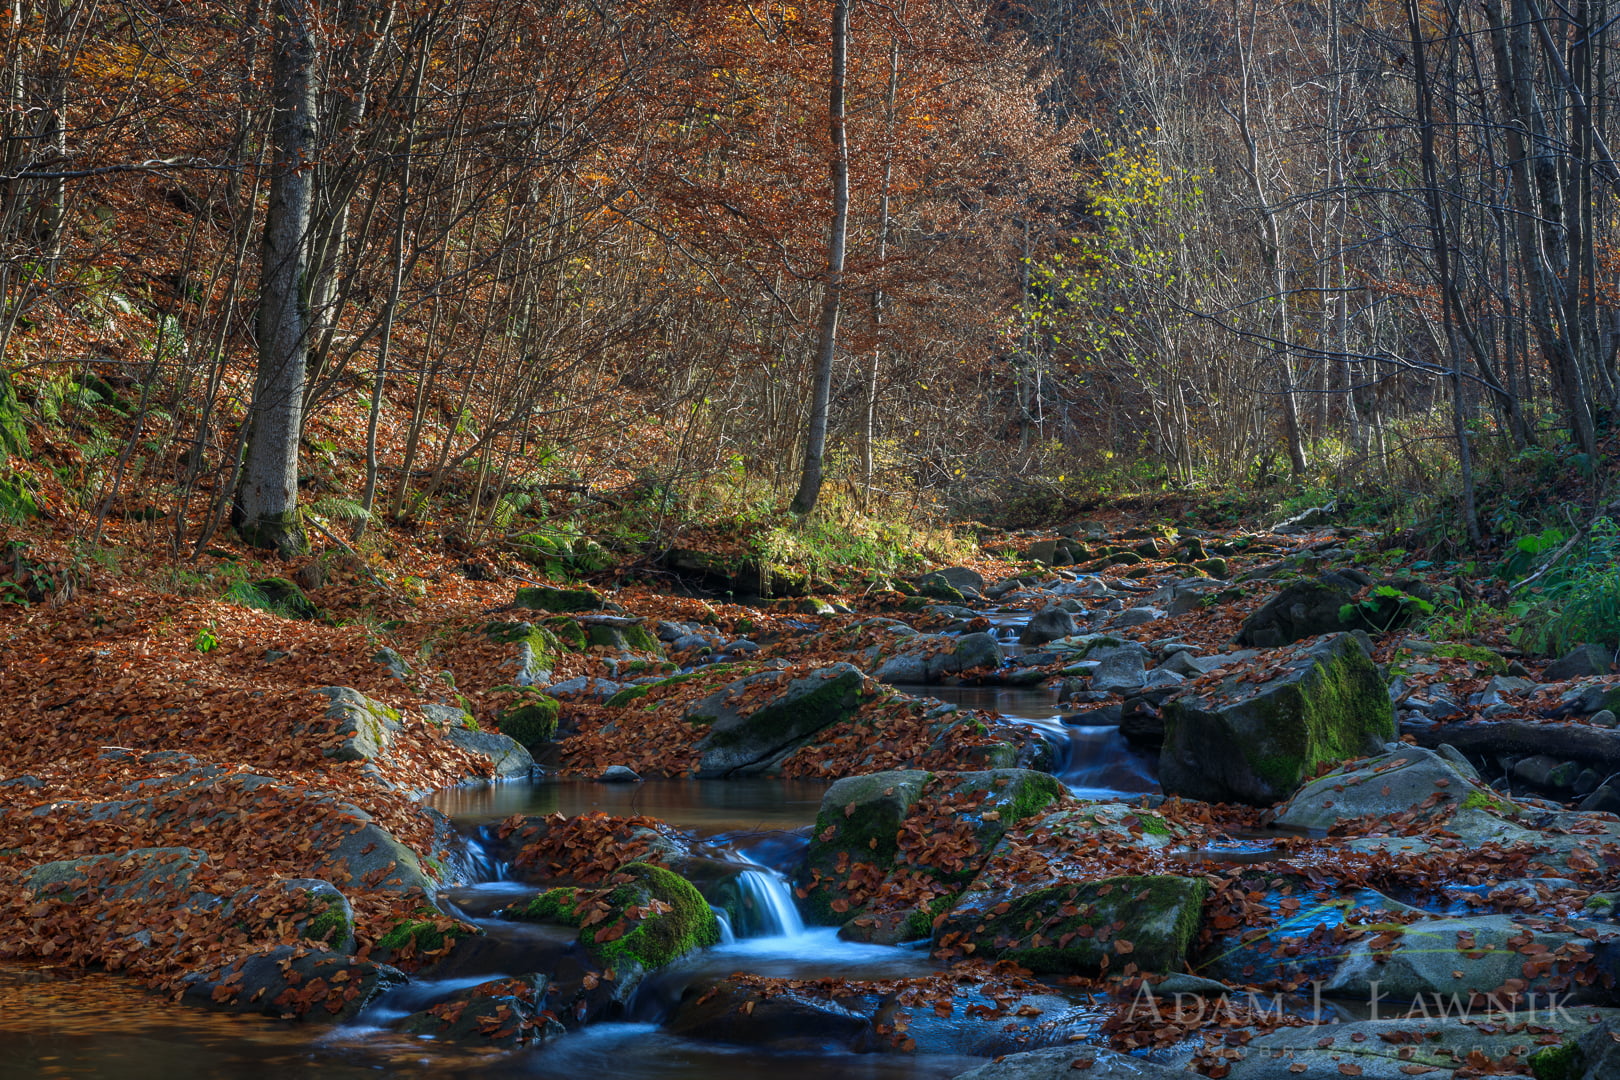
{"x":267,"y":503}
{"x":815,"y":437}
{"x":869,"y":427}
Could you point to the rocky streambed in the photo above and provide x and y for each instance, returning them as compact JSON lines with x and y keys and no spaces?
{"x":1153,"y":823}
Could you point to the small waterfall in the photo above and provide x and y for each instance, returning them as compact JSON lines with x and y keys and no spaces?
{"x":767,"y":905}
{"x":727,"y":937}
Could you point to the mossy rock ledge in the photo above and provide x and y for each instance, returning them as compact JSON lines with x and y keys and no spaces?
{"x":1257,"y":743}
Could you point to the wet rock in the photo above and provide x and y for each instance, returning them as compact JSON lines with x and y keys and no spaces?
{"x":1457,"y":958}
{"x":1604,"y":718}
{"x":312,"y":909}
{"x":1604,"y":799}
{"x":506,"y":1013}
{"x":1410,"y":779}
{"x":1147,"y":920}
{"x":928,"y":658}
{"x":360,"y":853}
{"x":1546,"y":772}
{"x":1579,"y":663}
{"x":506,"y":756}
{"x":316,"y":985}
{"x":532,"y":721}
{"x":619,"y":774}
{"x":746,"y":738}
{"x":1258,"y":742}
{"x":1138,"y":616}
{"x":1048,"y":625}
{"x":643,"y":918}
{"x":367,"y":727}
{"x":1121,"y":667}
{"x":1062,"y":1063}
{"x":789,"y":1020}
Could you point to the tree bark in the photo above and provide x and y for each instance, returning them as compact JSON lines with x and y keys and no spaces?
{"x":267,"y":502}
{"x":815,"y":438}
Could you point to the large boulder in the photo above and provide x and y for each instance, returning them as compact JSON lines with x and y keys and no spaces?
{"x":1257,"y":742}
{"x":642,"y":918}
{"x":1583,"y":661}
{"x":293,"y":983}
{"x":759,"y":719}
{"x":506,"y":756}
{"x":1408,"y":780}
{"x":364,"y":728}
{"x":313,"y":910}
{"x":143,"y":875}
{"x":928,"y":658}
{"x":1048,"y":625}
{"x":1120,"y":667}
{"x":505,"y":1013}
{"x":1087,"y":927}
{"x":1333,"y":603}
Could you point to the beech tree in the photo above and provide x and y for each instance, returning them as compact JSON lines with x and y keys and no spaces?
{"x":266,"y":513}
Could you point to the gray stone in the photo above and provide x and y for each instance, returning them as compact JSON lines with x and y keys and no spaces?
{"x":1605,"y":718}
{"x":1583,"y":661}
{"x":1257,"y":743}
{"x":1403,"y":780}
{"x":142,"y":874}
{"x":1138,"y":616}
{"x":742,"y":742}
{"x":506,"y":755}
{"x":447,"y":716}
{"x":583,"y":686}
{"x":277,"y":983}
{"x":395,"y":663}
{"x":367,"y":726}
{"x":926,"y":658}
{"x":1121,"y":667}
{"x":1048,"y":625}
{"x":1159,"y":679}
{"x":619,"y":774}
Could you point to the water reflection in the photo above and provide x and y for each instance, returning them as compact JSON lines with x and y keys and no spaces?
{"x":707,"y":806}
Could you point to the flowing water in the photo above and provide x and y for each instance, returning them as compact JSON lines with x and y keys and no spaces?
{"x":98,"y":1026}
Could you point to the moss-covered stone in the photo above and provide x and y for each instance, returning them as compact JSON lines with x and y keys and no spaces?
{"x":546,"y":598}
{"x":739,"y":741}
{"x":568,"y":632}
{"x":416,"y":937}
{"x":1562,"y":1062}
{"x":1215,"y":567}
{"x":537,"y":650}
{"x":531,"y":723}
{"x":646,"y":917}
{"x":1240,"y":742}
{"x":1081,"y":927}
{"x":622,"y":636}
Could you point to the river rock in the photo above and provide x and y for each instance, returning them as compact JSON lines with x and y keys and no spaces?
{"x":1410,"y":779}
{"x":880,"y":831}
{"x":1121,"y":667}
{"x":964,"y":579}
{"x":1070,"y":1062}
{"x":1048,"y":625}
{"x":1138,"y":616}
{"x":505,"y":1013}
{"x":1084,"y":927}
{"x":293,"y":983}
{"x":787,"y":1021}
{"x":1258,"y":742}
{"x":366,"y":727}
{"x":643,"y":918}
{"x":1479,"y":954}
{"x":534,"y":651}
{"x":312,"y":909}
{"x":506,"y":756}
{"x":748,"y":736}
{"x":928,"y":658}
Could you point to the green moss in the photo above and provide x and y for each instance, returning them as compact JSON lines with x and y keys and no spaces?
{"x":1562,"y":1062}
{"x":1215,"y":568}
{"x":1153,"y":824}
{"x":835,"y":698}
{"x":283,"y":533}
{"x":331,"y":926}
{"x":920,"y":923}
{"x":1329,"y":716}
{"x":568,"y":632}
{"x":418,"y":932}
{"x":545,"y":598}
{"x":1480,"y":799}
{"x":538,"y":647}
{"x":1123,"y":558}
{"x":532,"y":723}
{"x":937,"y":589}
{"x":13,"y":434}
{"x":633,"y":637}
{"x":655,"y":939}
{"x":1034,"y":795}
{"x":17,"y":501}
{"x":1158,"y":915}
{"x":1474,"y":654}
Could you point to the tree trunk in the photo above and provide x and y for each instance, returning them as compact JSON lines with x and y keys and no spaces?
{"x":815,"y":437}
{"x":267,"y":503}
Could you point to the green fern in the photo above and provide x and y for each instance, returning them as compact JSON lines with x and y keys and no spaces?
{"x":336,"y":508}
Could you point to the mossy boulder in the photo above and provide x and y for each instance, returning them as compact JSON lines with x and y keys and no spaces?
{"x":1087,"y":927}
{"x":643,"y":918}
{"x":293,"y":982}
{"x":546,"y":598}
{"x":1256,"y":743}
{"x":507,"y":756}
{"x":277,"y":595}
{"x":535,"y":650}
{"x":532,"y":722}
{"x":145,"y":875}
{"x":364,"y":728}
{"x":308,"y":908}
{"x":1407,"y":780}
{"x":427,"y":935}
{"x":1214,"y":567}
{"x":620,"y":635}
{"x":751,"y":727}
{"x":568,"y":632}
